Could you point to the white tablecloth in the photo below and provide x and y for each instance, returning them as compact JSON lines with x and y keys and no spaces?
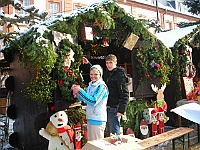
{"x":185,"y":101}
{"x":190,"y":111}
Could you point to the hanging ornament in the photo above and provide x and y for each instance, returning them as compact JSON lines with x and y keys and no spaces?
{"x":70,"y":72}
{"x":158,"y":66}
{"x":60,"y":82}
{"x":66,"y":68}
{"x":68,"y":59}
{"x":105,"y":43}
{"x":152,"y":64}
{"x":130,"y":42}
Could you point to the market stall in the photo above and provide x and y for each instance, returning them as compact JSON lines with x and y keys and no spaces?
{"x":47,"y":59}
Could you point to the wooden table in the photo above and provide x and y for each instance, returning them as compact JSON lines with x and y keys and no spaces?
{"x":166,"y":136}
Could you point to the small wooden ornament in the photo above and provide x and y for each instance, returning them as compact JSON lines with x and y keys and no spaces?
{"x":144,"y":130}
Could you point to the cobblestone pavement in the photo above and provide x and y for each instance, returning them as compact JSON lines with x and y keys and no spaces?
{"x":194,"y":145}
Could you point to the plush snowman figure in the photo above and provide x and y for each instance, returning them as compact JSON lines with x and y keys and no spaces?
{"x":62,"y":137}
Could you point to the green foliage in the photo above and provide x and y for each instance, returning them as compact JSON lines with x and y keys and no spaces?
{"x":40,"y":88}
{"x":152,"y":23}
{"x":196,"y":39}
{"x":193,"y":5}
{"x":134,"y":112}
{"x":187,"y":24}
{"x":76,"y":116}
{"x":33,"y":16}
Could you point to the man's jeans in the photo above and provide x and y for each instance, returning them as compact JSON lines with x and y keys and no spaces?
{"x":113,"y":121}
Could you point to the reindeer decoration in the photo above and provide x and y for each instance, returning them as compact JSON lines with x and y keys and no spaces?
{"x":160,"y":106}
{"x":160,"y":102}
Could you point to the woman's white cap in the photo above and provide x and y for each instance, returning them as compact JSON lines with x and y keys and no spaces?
{"x":99,"y":68}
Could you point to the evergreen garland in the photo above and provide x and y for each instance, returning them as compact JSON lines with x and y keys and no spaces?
{"x":68,"y":76}
{"x":42,"y":56}
{"x":180,"y":59}
{"x":196,"y":34}
{"x":193,"y":5}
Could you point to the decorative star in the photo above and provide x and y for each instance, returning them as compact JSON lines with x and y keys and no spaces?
{"x":99,"y":23}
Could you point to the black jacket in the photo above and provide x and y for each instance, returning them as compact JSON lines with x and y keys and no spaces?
{"x":117,"y":82}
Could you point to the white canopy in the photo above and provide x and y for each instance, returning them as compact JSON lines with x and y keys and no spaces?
{"x":189,"y":111}
{"x":169,"y":38}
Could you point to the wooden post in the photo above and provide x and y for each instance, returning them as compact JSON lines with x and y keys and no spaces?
{"x":179,"y":121}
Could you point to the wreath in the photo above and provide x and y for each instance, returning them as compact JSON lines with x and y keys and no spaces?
{"x":151,"y":63}
{"x":68,"y":75}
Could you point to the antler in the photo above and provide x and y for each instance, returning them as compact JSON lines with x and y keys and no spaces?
{"x":163,"y":87}
{"x":154,"y":88}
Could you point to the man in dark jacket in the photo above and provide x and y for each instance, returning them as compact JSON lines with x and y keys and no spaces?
{"x":117,"y":82}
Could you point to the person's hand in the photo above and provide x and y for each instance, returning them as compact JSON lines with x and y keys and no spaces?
{"x":85,"y":60}
{"x":119,"y":114}
{"x":75,"y":88}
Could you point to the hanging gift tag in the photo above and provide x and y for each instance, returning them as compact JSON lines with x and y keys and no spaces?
{"x":131,"y":41}
{"x":87,"y":33}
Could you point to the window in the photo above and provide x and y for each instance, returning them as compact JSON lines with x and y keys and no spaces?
{"x":53,"y":8}
{"x":78,"y":5}
{"x":25,"y":3}
{"x":181,"y":7}
{"x":21,"y":12}
{"x":168,"y":25}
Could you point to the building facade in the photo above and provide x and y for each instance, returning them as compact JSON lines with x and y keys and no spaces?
{"x":167,"y":12}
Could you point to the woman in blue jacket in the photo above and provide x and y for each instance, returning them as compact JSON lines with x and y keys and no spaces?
{"x":95,"y":95}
